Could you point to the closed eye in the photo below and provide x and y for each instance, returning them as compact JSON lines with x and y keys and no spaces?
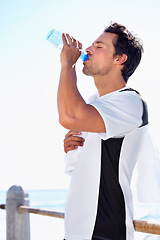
{"x":98,"y":44}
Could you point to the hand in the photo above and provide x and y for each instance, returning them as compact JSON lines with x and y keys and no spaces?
{"x":72,"y":142}
{"x":71,"y":50}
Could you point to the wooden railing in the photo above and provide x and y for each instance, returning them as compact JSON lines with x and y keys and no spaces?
{"x":18,"y":210}
{"x":26,"y":209}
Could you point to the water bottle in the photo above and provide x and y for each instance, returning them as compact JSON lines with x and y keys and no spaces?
{"x":55,"y":37}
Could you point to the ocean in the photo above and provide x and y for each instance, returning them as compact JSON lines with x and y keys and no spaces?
{"x":43,"y":227}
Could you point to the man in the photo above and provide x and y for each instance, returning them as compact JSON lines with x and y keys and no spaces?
{"x":99,"y":204}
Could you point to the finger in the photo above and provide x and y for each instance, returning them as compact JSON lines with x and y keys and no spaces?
{"x":79,"y":45}
{"x":69,"y":142}
{"x":70,"y":133}
{"x":73,"y":143}
{"x":69,"y":39}
{"x":70,"y":148}
{"x":64,"y":39}
{"x":74,"y":138}
{"x":74,"y":42}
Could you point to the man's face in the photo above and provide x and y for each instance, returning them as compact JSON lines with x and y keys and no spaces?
{"x":100,"y":56}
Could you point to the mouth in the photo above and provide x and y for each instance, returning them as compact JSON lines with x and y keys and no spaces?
{"x":86,"y":61}
{"x":85,"y":58}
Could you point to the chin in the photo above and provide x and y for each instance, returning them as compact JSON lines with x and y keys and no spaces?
{"x":86,"y":72}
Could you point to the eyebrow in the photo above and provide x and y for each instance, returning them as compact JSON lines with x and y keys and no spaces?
{"x":97,"y":42}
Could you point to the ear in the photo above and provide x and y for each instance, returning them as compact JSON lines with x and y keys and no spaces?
{"x":120,"y":59}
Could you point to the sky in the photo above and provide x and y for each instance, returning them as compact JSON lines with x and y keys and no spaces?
{"x":31,"y":138}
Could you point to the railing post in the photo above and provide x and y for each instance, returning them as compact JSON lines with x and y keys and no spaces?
{"x":18,"y":224}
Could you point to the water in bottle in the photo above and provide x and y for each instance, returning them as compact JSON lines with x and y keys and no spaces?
{"x":55,"y":37}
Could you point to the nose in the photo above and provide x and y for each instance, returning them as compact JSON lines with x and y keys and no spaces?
{"x":89,"y":50}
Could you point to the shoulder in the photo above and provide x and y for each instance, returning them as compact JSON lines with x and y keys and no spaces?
{"x":120,"y":99}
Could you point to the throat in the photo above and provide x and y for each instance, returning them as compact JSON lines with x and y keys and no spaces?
{"x":105,"y":87}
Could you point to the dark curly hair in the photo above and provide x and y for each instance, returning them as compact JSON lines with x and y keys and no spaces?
{"x":127,"y":44}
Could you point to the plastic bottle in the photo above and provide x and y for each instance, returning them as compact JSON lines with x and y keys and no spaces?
{"x":55,"y":37}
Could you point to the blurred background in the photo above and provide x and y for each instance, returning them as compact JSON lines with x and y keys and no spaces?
{"x":31,"y":139}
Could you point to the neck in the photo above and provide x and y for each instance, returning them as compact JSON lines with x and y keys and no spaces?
{"x":107,"y":85}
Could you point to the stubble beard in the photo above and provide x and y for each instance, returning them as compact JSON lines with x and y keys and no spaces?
{"x":94,"y":71}
{"x":91,"y":70}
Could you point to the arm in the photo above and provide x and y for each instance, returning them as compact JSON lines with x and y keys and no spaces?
{"x":74,"y":113}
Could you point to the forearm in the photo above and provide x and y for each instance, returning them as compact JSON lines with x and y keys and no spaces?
{"x":70,"y":102}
